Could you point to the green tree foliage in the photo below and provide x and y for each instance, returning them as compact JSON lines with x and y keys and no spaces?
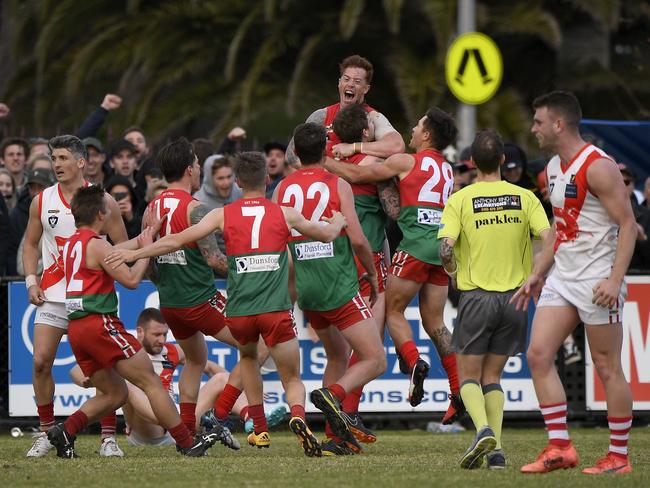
{"x":198,"y":67}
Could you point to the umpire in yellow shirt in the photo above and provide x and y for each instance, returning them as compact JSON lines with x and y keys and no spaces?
{"x":486,"y":248}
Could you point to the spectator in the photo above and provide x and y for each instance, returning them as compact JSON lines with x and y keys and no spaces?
{"x":629,"y":178}
{"x":646,"y":192}
{"x":203,"y":148}
{"x":39,"y":161}
{"x":38,"y":145}
{"x":464,"y":170}
{"x":136,"y":136}
{"x":37,"y":181}
{"x":13,"y":156}
{"x":219,"y":187}
{"x":123,"y":160}
{"x":121,"y":190}
{"x":276,"y":165}
{"x":8,"y":189}
{"x":94,"y":169}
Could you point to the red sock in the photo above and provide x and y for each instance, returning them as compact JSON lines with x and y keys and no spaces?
{"x":619,"y":435}
{"x":259,"y":419}
{"x":188,"y":416}
{"x":109,"y":425}
{"x":244,"y":414}
{"x":410,"y":354}
{"x":46,"y":416}
{"x":449,"y":363}
{"x":75,"y":422}
{"x":352,"y":399}
{"x":298,"y":411}
{"x":555,"y":420}
{"x":182,"y":435}
{"x":329,"y":434}
{"x":338,"y":391}
{"x":226,"y":400}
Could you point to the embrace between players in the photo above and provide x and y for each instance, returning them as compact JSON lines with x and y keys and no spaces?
{"x":313,"y":204}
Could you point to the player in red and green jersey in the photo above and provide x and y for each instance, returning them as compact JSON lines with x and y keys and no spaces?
{"x":327,"y":284}
{"x":425,"y":182}
{"x":256,"y":232}
{"x":105,"y":351}
{"x":371,"y":202}
{"x":189,"y":301}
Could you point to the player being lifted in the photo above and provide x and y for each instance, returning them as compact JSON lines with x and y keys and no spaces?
{"x":425,"y":183}
{"x":371,"y":202}
{"x":256,"y":232}
{"x":328,"y":287}
{"x":106,"y":353}
{"x":50,"y":225}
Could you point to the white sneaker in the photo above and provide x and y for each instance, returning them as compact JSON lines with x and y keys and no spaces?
{"x":110,"y":448}
{"x":41,"y":446}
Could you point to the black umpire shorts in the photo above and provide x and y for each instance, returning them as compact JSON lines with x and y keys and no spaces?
{"x":488,"y":323}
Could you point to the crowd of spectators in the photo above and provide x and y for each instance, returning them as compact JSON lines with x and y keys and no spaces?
{"x":128,"y":170}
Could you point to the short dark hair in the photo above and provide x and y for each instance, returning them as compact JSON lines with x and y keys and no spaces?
{"x":71,"y":143}
{"x":134,"y":128}
{"x":441,"y":126}
{"x":563,"y":103}
{"x":250,"y":168}
{"x":222,"y":162}
{"x":148,"y":315}
{"x":487,"y":150}
{"x":174,"y":158}
{"x":11,"y":141}
{"x":203,"y":148}
{"x":356,"y":61}
{"x":87,"y":202}
{"x":309,"y":141}
{"x":350,"y":123}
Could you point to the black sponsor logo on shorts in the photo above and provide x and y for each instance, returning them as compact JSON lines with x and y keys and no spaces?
{"x":496,"y":204}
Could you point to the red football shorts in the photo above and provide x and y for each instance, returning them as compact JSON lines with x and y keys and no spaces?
{"x":100,"y":341}
{"x":348,"y":314}
{"x":274,"y":327}
{"x":407,"y":267}
{"x":380,"y":269}
{"x":207,"y":317}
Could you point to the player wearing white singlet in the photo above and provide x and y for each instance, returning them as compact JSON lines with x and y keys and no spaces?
{"x":51,"y":221}
{"x":594,"y":240}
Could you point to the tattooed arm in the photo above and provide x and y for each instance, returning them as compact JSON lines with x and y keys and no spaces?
{"x":446,"y":252}
{"x":208,"y":245}
{"x":389,"y":198}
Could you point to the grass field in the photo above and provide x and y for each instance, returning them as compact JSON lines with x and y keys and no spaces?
{"x":399,"y":458}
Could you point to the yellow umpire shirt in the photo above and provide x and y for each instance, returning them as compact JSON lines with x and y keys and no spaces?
{"x":492,"y":223}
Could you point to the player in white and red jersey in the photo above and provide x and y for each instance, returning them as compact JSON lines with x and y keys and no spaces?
{"x":51,"y":223}
{"x":594,"y":240}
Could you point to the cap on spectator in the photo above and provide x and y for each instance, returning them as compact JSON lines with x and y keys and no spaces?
{"x":93,"y":142}
{"x":121,"y":145}
{"x":269,"y":146}
{"x":515,"y":156}
{"x":115,"y":180}
{"x":41,"y":176}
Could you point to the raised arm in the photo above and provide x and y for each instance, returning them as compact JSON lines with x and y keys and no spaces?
{"x":315,"y":230}
{"x":397,"y":165}
{"x":211,"y":222}
{"x":31,"y":253}
{"x":209,"y":245}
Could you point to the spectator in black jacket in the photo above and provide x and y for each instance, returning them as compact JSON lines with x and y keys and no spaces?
{"x":121,"y":190}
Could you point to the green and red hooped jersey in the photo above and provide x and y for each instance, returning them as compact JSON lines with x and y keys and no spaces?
{"x":326,"y":275}
{"x":184,"y":278}
{"x":423,"y":194}
{"x":367,"y":205}
{"x":87,"y":290}
{"x":330,"y":114}
{"x":256,"y":234}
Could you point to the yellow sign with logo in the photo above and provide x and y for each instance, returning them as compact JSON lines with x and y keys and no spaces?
{"x":473,"y":68}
